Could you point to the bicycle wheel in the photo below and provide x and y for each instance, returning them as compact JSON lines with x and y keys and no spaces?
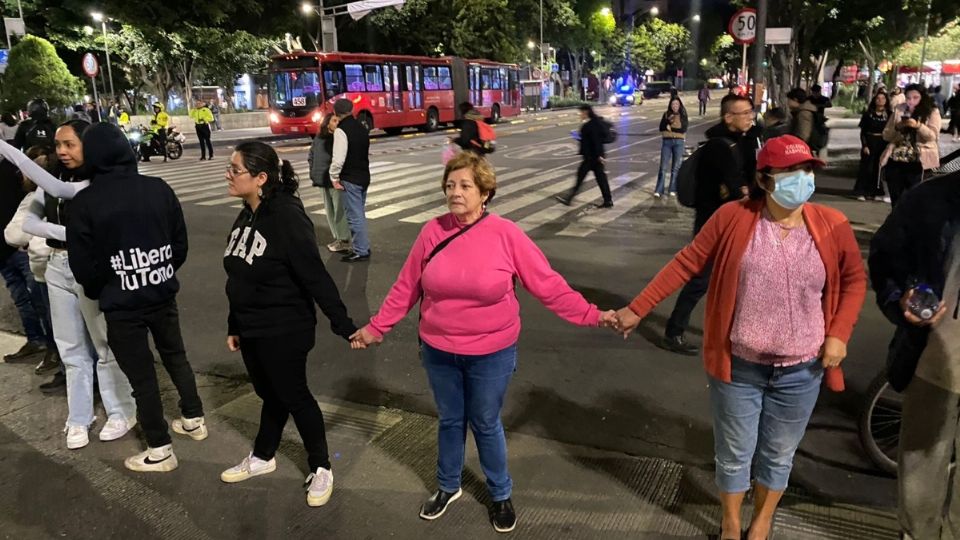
{"x":879,"y":424}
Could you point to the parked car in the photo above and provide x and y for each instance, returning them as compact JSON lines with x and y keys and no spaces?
{"x":653,"y":89}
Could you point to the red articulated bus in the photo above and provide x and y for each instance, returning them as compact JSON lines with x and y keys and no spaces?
{"x":388,"y":92}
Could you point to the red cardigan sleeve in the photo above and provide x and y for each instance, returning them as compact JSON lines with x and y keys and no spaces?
{"x":853,"y":283}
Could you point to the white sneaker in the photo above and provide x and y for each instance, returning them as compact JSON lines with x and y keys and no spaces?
{"x":248,"y":468}
{"x":160,"y":459}
{"x":657,"y":195}
{"x":673,"y":193}
{"x":116,"y":428}
{"x":77,"y":436}
{"x":886,"y":199}
{"x":195,"y":428}
{"x":319,"y":487}
{"x":862,"y":198}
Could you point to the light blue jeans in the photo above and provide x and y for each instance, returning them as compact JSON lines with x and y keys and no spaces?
{"x":469,"y":390}
{"x":758,"y":419}
{"x":671,"y":156}
{"x":355,"y":200}
{"x":80,"y":331}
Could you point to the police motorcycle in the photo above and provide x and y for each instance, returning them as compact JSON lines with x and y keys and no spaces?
{"x":144,"y":143}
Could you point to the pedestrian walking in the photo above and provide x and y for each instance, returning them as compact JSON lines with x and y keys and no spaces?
{"x":592,"y":134}
{"x":954,"y":105}
{"x":319,"y":160}
{"x":79,"y":327}
{"x":215,"y":110}
{"x":37,"y":253}
{"x":272,"y":247}
{"x":872,"y":145}
{"x":804,"y":117}
{"x":673,"y":130}
{"x":350,"y":173}
{"x":939,"y":100}
{"x":921,"y":239}
{"x":913,"y":133}
{"x":703,"y":97}
{"x":787,"y":287}
{"x":723,"y":174}
{"x":202,"y":118}
{"x":129,"y":267}
{"x":8,"y":127}
{"x":469,"y":328}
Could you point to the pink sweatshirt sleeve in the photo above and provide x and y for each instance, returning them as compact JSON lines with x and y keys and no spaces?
{"x":546,"y":284}
{"x":406,"y":291}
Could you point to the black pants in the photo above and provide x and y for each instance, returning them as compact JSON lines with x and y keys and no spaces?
{"x":689,"y":296}
{"x":203,"y":133}
{"x":954,"y":127}
{"x":868,"y":177}
{"x":703,"y":108}
{"x":278,"y":370}
{"x":591,"y":164}
{"x":900,"y":177}
{"x":127,"y":337}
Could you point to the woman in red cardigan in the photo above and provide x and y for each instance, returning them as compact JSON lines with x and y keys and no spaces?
{"x":787,"y":287}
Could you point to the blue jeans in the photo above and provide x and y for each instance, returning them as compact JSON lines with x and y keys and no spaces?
{"x":759,"y":418}
{"x":671,"y":156}
{"x":355,"y":199}
{"x":470,"y":389}
{"x":81,"y":335}
{"x":28,"y":298}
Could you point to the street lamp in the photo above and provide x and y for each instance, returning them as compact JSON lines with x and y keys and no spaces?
{"x":98,"y":17}
{"x":307,"y":8}
{"x":696,"y":18}
{"x":531,"y":44}
{"x":605,"y":11}
{"x":655,"y":11}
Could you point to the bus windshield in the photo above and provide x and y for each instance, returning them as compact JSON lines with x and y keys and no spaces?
{"x":291,"y":89}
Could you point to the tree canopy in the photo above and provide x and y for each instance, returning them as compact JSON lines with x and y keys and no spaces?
{"x":34,"y":70}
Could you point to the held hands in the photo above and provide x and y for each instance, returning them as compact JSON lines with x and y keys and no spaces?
{"x":608,"y":319}
{"x":363,"y":338}
{"x":626,"y":322}
{"x":833,"y":352}
{"x":917,"y":321}
{"x":233,"y":343}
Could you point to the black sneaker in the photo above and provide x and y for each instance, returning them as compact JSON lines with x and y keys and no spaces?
{"x":502,"y":516}
{"x":29,"y":349}
{"x":355,"y":257}
{"x":437,"y":504}
{"x":606,"y":204}
{"x":56,"y":385}
{"x":678,"y":345}
{"x":51,"y":360}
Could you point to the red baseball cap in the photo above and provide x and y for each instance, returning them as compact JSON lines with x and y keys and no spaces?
{"x":786,"y":151}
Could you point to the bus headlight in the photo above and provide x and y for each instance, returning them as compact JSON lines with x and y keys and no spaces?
{"x":317,"y":117}
{"x":274,"y":118}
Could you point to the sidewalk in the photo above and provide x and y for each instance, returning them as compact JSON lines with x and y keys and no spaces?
{"x":384,"y":463}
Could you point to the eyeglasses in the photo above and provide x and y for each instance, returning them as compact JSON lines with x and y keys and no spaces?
{"x":233,"y":171}
{"x":741,"y":113}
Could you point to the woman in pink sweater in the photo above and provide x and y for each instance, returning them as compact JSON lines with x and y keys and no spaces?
{"x":463,"y":270}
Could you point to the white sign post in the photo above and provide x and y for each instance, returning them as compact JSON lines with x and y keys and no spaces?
{"x":90,"y":68}
{"x":743,"y":28}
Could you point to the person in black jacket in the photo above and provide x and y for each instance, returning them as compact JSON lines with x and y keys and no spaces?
{"x":319,"y":158}
{"x":36,"y":130}
{"x":920,"y":244}
{"x":274,"y":277}
{"x":127,"y":240}
{"x":725,"y":172}
{"x":872,"y":145}
{"x":673,"y":130}
{"x":591,"y":148}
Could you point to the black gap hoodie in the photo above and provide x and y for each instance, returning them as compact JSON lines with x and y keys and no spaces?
{"x":126,"y":231}
{"x":275,"y":273}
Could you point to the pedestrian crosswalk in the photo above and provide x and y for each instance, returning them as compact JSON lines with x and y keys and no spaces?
{"x":411,"y":193}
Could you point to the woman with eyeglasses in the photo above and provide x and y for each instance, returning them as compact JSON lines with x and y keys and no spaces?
{"x":274,"y":277}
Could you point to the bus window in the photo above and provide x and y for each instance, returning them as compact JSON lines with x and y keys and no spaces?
{"x":294,"y":89}
{"x":445,"y":80}
{"x":354,"y":77}
{"x":373,"y":79}
{"x":430,"y":79}
{"x":414,"y":90}
{"x":485,"y":76}
{"x":332,"y":80}
{"x":502,"y":78}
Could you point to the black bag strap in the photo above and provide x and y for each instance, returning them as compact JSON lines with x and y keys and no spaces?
{"x":446,"y":242}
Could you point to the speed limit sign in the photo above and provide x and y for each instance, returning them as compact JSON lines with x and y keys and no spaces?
{"x":743,"y":26}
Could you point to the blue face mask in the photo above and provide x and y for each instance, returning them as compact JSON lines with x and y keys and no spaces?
{"x":793,"y":188}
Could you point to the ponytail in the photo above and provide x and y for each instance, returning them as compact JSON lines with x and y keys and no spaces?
{"x":261,"y":158}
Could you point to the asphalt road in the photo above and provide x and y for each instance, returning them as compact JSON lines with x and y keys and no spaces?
{"x":574,"y":385}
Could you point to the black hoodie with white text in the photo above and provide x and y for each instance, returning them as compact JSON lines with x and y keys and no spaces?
{"x":275,"y":273}
{"x":126,"y":231}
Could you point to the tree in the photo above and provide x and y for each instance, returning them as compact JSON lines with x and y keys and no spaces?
{"x":673,"y":40}
{"x":943,"y":46}
{"x":35,"y":71}
{"x":725,"y":56}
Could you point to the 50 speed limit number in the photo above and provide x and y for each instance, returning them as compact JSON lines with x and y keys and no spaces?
{"x":743,"y":26}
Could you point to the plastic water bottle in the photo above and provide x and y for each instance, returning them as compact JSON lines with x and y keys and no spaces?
{"x":924,"y":303}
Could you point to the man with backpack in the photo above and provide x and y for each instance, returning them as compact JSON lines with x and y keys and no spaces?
{"x":36,"y":130}
{"x":808,"y":120}
{"x":720,"y":171}
{"x":593,"y":135}
{"x":475,"y":135}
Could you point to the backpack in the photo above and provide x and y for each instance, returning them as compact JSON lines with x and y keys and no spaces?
{"x":687,"y":176}
{"x":37,"y":132}
{"x":488,"y":137}
{"x":609,"y":132}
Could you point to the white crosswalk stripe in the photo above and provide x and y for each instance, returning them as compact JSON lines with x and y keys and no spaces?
{"x":410,"y":193}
